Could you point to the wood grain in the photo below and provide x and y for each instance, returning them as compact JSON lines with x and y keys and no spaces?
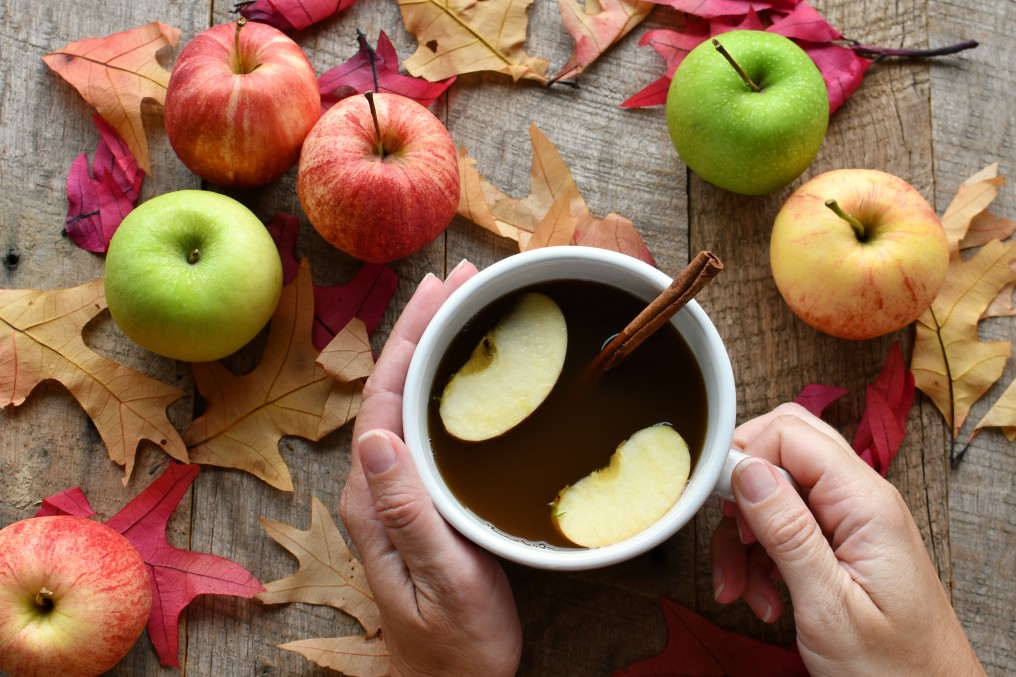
{"x":932,"y":123}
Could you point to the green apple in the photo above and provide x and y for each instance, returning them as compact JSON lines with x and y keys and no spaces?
{"x":858,"y":253}
{"x":748,"y":116}
{"x":510,"y":372}
{"x":646,"y":475}
{"x":192,"y":275}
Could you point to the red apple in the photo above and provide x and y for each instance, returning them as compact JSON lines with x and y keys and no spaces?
{"x":379,"y":189}
{"x":74,"y":597}
{"x":858,"y":253}
{"x":240,"y":100}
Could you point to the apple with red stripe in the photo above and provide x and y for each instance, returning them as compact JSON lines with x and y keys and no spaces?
{"x":379,"y":177}
{"x":75,"y":596}
{"x":240,"y":100}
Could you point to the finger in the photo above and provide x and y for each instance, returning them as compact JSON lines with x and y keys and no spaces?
{"x":760,"y":591}
{"x":748,"y":431}
{"x":788,"y":531}
{"x":729,"y":558}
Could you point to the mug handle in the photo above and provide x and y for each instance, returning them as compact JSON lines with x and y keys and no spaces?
{"x":724,"y":491}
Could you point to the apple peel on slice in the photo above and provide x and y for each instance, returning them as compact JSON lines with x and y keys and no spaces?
{"x":646,"y":475}
{"x":510,"y":372}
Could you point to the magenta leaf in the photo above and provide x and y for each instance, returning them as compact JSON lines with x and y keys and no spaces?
{"x":68,"y":502}
{"x":291,"y":15}
{"x":815,"y":397}
{"x":366,"y":296}
{"x":883,"y":425}
{"x":376,"y":70}
{"x":178,"y":576}
{"x":285,"y":230}
{"x":711,"y":9}
{"x":696,"y":647}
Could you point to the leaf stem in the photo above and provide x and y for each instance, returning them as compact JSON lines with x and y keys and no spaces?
{"x":377,"y":125}
{"x":737,"y":67}
{"x":852,"y":220}
{"x":361,"y":38}
{"x":876,"y":53}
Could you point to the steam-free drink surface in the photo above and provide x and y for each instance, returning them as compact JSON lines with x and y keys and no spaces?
{"x":511,"y":480}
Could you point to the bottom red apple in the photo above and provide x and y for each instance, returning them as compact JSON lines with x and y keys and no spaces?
{"x":74,"y":597}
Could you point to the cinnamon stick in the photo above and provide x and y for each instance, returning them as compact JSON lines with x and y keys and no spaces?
{"x":689,"y":282}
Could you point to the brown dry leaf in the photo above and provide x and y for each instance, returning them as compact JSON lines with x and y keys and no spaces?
{"x":950,"y":364}
{"x":354,"y":656}
{"x":972,"y":198}
{"x":596,"y":26}
{"x":329,"y":575}
{"x":40,"y":338}
{"x":553,"y":213}
{"x":465,"y":36}
{"x":984,"y":228}
{"x":1001,"y":415}
{"x":115,"y":74}
{"x":288,"y":393}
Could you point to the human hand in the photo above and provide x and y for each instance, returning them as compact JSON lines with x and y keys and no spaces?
{"x":867,"y":599}
{"x":446,"y":608}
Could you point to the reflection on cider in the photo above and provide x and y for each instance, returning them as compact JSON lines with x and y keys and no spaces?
{"x":511,"y":480}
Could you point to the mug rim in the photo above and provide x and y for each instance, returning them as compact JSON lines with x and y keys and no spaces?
{"x":557,"y":262}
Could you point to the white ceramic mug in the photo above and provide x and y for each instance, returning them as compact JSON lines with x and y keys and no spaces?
{"x":711,"y":473}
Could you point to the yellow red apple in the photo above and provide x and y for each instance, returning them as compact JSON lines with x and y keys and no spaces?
{"x":75,"y":596}
{"x":858,"y":253}
{"x":379,"y":188}
{"x":240,"y":100}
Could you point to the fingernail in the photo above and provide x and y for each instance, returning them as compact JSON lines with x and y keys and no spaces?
{"x":760,"y":603}
{"x":376,"y":452}
{"x":756,"y":478}
{"x":717,"y":583}
{"x":460,"y":264}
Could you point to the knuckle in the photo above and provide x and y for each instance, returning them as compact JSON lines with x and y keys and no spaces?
{"x":398,"y":509}
{"x":791,"y":536}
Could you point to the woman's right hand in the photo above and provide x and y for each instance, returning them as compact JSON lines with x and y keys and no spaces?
{"x":867,"y":599}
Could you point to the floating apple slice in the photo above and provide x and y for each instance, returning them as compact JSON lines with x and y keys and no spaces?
{"x":645,"y":477}
{"x":510,"y":373}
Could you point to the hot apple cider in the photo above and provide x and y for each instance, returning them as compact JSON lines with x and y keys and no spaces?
{"x":512,"y":479}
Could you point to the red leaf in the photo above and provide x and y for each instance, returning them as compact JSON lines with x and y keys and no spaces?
{"x":291,"y":15}
{"x":696,"y":647}
{"x":356,"y":76}
{"x":366,"y":296}
{"x":884,"y":422}
{"x":178,"y":576}
{"x":96,"y":206}
{"x":815,"y":398}
{"x":803,"y":22}
{"x":710,"y":9}
{"x":67,"y":502}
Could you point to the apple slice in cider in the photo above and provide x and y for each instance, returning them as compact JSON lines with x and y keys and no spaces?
{"x":645,"y":477}
{"x":510,"y":372}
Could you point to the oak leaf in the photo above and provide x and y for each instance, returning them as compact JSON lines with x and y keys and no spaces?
{"x":1001,"y":415}
{"x":554,"y":211}
{"x":595,"y":26}
{"x":377,"y":71}
{"x":291,"y":15}
{"x":950,"y":363}
{"x":695,"y":646}
{"x":465,"y":36}
{"x":288,"y":393}
{"x":115,"y":74}
{"x":178,"y":576}
{"x":67,"y":502}
{"x":40,"y":339}
{"x":99,"y":201}
{"x":971,"y":199}
{"x":329,"y":575}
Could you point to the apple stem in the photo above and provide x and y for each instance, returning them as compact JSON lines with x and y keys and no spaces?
{"x":737,"y":67}
{"x":240,"y":23}
{"x":377,"y":126}
{"x":854,"y":223}
{"x":44,"y":598}
{"x":194,"y":256}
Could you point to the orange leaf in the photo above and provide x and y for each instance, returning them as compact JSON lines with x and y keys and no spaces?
{"x":288,"y":393}
{"x":40,"y":338}
{"x":553,"y":213}
{"x":596,"y":26}
{"x":328,"y":573}
{"x":972,"y":198}
{"x":1001,"y":415}
{"x":115,"y":74}
{"x":464,"y":36}
{"x":950,"y":364}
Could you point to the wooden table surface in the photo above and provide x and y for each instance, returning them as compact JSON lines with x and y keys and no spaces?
{"x":934,"y":124}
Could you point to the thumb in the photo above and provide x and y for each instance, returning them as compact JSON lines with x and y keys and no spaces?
{"x":786,"y":528}
{"x":410,"y":520}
